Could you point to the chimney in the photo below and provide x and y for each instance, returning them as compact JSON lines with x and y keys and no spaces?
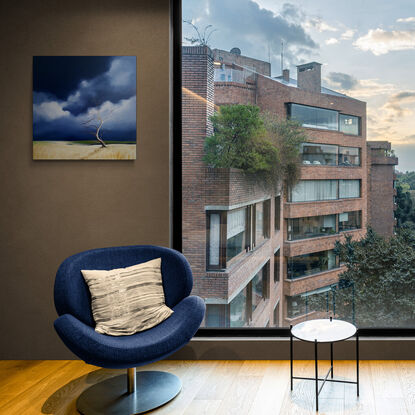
{"x":309,"y":76}
{"x":286,"y":75}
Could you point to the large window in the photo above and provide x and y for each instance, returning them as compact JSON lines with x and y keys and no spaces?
{"x":309,"y":264}
{"x":349,"y":124}
{"x":314,"y":117}
{"x":319,"y":190}
{"x":303,"y":228}
{"x":240,"y":208}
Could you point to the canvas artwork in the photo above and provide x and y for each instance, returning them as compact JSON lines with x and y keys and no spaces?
{"x":84,"y":107}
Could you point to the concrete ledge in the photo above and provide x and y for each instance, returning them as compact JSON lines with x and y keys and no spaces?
{"x":277,"y":348}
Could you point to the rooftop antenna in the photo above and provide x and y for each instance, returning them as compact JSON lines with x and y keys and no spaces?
{"x":269,"y":53}
{"x":282,"y":56}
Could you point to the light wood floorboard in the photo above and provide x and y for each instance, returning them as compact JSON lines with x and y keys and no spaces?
{"x":220,"y":387}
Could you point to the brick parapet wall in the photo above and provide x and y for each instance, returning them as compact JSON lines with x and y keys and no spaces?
{"x":329,"y":207}
{"x":323,"y":243}
{"x":229,"y":93}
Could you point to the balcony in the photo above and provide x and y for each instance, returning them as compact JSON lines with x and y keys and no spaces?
{"x":311,"y":282}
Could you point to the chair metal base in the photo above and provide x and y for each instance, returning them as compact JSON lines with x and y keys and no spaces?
{"x":111,"y":396}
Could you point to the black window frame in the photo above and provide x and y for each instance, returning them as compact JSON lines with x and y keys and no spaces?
{"x":176,"y":191}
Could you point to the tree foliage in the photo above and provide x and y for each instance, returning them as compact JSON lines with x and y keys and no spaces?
{"x":407,"y":180}
{"x":256,"y":143}
{"x":380,"y":274}
{"x":405,"y":211}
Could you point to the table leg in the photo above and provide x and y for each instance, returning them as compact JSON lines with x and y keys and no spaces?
{"x":315,"y":358}
{"x":357,"y":361}
{"x":291,"y":357}
{"x":331,"y":358}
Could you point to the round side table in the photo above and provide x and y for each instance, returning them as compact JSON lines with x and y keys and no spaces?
{"x":324,"y":331}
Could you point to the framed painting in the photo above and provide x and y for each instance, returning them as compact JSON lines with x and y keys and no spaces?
{"x":84,"y":107}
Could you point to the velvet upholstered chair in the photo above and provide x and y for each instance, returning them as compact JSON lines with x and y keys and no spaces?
{"x":134,"y":392}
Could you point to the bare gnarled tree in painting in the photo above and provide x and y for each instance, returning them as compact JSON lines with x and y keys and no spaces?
{"x":96,"y":122}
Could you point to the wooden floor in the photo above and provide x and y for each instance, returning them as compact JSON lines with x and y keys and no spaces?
{"x":219,"y":387}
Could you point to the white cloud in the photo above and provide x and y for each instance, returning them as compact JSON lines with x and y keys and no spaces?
{"x":348,"y":34}
{"x":380,"y":42}
{"x":406,"y":20}
{"x":50,"y":110}
{"x":332,"y":41}
{"x":320,"y":25}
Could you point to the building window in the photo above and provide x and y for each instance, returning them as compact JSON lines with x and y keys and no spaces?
{"x":314,"y":117}
{"x":311,"y":227}
{"x":277,"y":315}
{"x":349,"y":124}
{"x":349,"y":189}
{"x":277,"y":218}
{"x":318,"y":190}
{"x":313,"y":190}
{"x":319,"y":154}
{"x":349,"y":156}
{"x":238,"y":311}
{"x":310,"y":264}
{"x":277,"y":266}
{"x":215,"y":315}
{"x":262,"y":221}
{"x":241,"y":308}
{"x":350,"y":220}
{"x":235,"y":233}
{"x":320,"y":301}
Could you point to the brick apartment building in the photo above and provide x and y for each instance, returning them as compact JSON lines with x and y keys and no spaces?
{"x":381,"y":183}
{"x":259,"y":256}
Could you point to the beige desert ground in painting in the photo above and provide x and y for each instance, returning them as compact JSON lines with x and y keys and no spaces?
{"x":66,"y":150}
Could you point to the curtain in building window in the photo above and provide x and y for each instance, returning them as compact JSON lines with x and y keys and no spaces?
{"x":310,"y":190}
{"x":236,"y":222}
{"x":349,"y":188}
{"x":214,"y":239}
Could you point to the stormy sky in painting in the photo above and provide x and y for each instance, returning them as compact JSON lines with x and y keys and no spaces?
{"x":70,"y":90}
{"x":367,"y":49}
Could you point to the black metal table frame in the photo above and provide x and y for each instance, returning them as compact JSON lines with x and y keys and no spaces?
{"x":316,"y":378}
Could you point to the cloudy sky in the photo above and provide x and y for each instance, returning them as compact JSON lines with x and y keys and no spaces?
{"x":68,"y":91}
{"x":367,"y":48}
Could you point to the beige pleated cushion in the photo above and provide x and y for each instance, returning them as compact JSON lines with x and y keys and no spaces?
{"x":127,"y":300}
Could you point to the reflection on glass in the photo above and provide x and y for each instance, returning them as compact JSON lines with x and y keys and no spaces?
{"x":214,"y":239}
{"x":309,"y":264}
{"x":259,"y":222}
{"x":321,"y":301}
{"x":319,"y":154}
{"x":349,"y":124}
{"x":349,"y":156}
{"x":314,"y":117}
{"x":257,"y":289}
{"x":350,"y":220}
{"x":238,"y":315}
{"x":303,"y":228}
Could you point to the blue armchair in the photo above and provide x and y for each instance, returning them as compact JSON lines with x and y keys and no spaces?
{"x":75,"y":326}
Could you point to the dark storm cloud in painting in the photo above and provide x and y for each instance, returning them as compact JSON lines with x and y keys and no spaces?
{"x":67,"y":91}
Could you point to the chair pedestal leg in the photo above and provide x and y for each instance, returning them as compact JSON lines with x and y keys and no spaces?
{"x":133,"y":393}
{"x":131,"y":380}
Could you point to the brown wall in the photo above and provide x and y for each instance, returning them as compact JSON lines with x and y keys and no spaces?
{"x":53,"y":209}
